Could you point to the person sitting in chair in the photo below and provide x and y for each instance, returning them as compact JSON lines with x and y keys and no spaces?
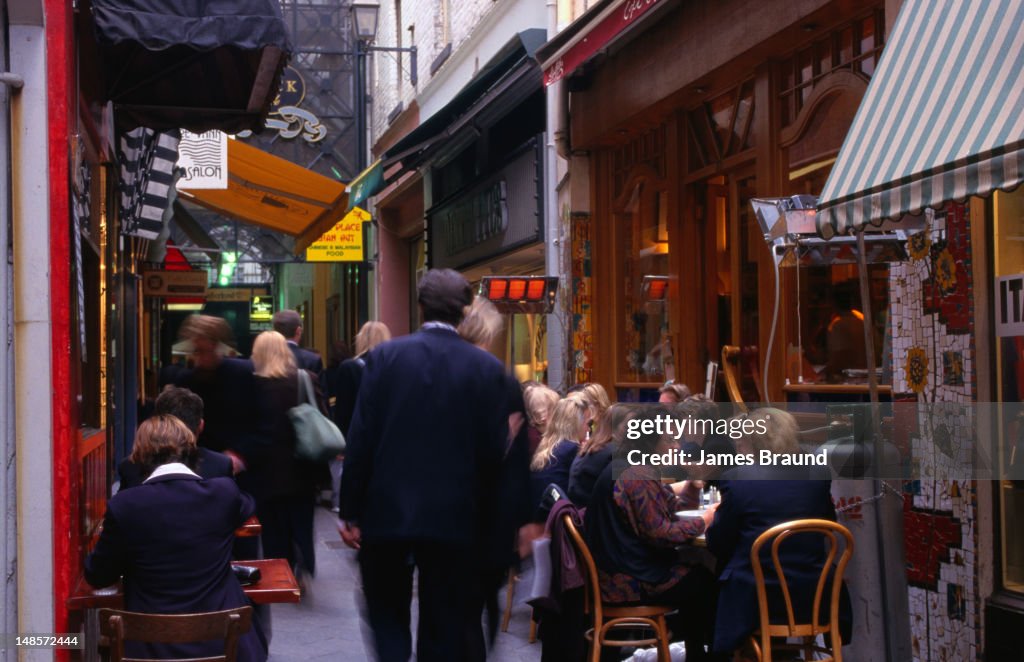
{"x":171,"y":539}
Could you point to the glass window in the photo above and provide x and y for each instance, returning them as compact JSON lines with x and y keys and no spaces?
{"x":1009,"y":261}
{"x":643,"y":237}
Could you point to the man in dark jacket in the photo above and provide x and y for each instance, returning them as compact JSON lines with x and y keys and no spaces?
{"x":289,"y":324}
{"x":426,"y":443}
{"x":187,"y":407}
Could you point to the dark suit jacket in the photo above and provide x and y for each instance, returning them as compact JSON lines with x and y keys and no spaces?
{"x":426,"y":441}
{"x":306,"y":359}
{"x":347,"y":378}
{"x":171,"y":539}
{"x":754,"y":499}
{"x":210,"y":464}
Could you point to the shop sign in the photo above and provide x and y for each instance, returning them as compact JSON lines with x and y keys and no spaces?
{"x":233,"y":294}
{"x":499,"y":214}
{"x":174,"y":283}
{"x":203,"y":160}
{"x":286,"y":117}
{"x":261,"y":309}
{"x":343,"y":242}
{"x":1010,"y":306}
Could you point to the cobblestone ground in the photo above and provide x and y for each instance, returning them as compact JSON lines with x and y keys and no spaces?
{"x":327,"y":625}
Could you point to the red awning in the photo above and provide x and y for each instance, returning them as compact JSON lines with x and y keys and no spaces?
{"x":589,"y":34}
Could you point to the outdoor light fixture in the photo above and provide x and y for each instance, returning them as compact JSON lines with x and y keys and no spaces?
{"x":654,"y":288}
{"x":520,"y":294}
{"x":364,"y":19}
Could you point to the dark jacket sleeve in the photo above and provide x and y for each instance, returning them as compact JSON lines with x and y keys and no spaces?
{"x":347,"y":384}
{"x":105,"y":565}
{"x":361,"y":444}
{"x":724,"y":533}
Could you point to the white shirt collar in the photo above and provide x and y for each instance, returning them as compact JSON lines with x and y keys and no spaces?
{"x":171,"y":468}
{"x":439,"y":325}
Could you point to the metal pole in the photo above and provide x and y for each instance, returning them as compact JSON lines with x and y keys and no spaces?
{"x":362,"y":286}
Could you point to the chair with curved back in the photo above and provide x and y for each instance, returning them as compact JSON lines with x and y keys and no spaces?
{"x":808,"y":632}
{"x":118,"y":626}
{"x":608,"y":617}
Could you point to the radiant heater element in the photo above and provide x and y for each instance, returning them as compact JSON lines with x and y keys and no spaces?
{"x":520,"y":294}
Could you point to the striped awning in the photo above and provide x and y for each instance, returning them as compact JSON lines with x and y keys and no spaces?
{"x":941,"y":120}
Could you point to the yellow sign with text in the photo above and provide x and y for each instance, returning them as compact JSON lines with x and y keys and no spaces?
{"x":343,"y":242}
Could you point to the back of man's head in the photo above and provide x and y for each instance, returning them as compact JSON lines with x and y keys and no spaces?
{"x":287,"y":323}
{"x":443,"y":294}
{"x":181,"y":403}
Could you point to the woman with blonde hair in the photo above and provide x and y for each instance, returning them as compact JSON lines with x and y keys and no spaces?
{"x":284,"y":485}
{"x":558,"y":446}
{"x":350,"y":372}
{"x":540,"y":402}
{"x":596,"y":453}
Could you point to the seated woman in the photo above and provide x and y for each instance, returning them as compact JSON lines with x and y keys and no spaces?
{"x":634,"y":535}
{"x":596,"y":453}
{"x":558,"y":448}
{"x":754,"y":499}
{"x":170,"y":538}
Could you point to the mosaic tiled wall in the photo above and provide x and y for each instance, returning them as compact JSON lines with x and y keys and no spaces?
{"x":932,"y":358}
{"x":582,"y":290}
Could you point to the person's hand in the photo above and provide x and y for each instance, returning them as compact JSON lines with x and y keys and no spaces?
{"x":237,"y":463}
{"x":350,"y":534}
{"x":708,"y":515}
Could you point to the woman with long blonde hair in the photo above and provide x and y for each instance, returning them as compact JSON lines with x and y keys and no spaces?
{"x":540,"y":402}
{"x":558,"y":446}
{"x":350,"y":372}
{"x":284,"y":485}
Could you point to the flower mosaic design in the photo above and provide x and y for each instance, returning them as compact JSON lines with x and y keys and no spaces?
{"x":945,"y":271}
{"x":919,"y":245}
{"x":917,"y":369}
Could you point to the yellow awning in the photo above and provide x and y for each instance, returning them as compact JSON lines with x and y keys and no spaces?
{"x":274,"y":193}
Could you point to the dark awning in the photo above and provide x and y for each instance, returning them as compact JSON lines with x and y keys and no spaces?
{"x":508,"y":78}
{"x":193,"y":64}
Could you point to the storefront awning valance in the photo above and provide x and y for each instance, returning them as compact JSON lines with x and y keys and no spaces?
{"x":505,"y":81}
{"x":198,"y":65}
{"x":941,"y":119}
{"x":274,"y":193}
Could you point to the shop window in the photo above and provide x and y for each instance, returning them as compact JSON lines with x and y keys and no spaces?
{"x":644,"y":325}
{"x":720,"y":128}
{"x":1009,"y":262}
{"x":854,"y":46}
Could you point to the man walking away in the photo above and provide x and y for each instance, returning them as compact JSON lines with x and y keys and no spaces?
{"x":424,"y":449}
{"x":289,"y":324}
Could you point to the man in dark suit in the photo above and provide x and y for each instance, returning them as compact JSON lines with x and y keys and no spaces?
{"x":289,"y":324}
{"x":187,"y":407}
{"x":424,"y":450}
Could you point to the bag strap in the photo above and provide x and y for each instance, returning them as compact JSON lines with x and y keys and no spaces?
{"x":306,"y":388}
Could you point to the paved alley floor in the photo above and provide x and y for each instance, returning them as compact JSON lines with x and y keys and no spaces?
{"x":327,"y":625}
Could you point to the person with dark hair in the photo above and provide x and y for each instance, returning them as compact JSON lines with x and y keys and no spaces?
{"x":633,"y":532}
{"x":289,"y":324}
{"x":425,"y":450}
{"x":170,"y":538}
{"x":845,"y":336}
{"x":187,"y":407}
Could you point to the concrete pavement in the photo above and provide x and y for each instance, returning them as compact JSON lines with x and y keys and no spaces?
{"x":327,"y":624}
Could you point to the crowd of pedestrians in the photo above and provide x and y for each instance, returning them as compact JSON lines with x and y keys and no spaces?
{"x":445,"y":482}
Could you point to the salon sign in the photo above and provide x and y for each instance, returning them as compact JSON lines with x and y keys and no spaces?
{"x":1010,"y":306}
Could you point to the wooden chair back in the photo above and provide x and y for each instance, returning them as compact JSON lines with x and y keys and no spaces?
{"x":592,"y":586}
{"x":120,"y":626}
{"x":831,"y":533}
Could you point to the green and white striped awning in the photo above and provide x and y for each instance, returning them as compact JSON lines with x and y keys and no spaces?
{"x":943,"y":117}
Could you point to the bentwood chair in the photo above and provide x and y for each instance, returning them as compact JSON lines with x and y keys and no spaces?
{"x":761,"y":640}
{"x":609,"y":618}
{"x":118,"y":626}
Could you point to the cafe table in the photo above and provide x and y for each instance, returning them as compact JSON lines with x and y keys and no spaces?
{"x":277,"y":584}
